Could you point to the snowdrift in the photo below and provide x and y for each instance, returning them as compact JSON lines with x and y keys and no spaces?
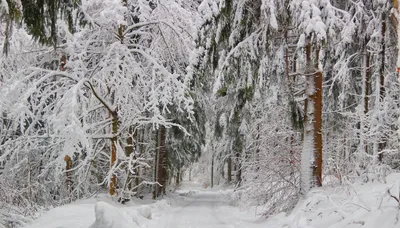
{"x":108,"y":216}
{"x":369,"y":205}
{"x":102,"y":212}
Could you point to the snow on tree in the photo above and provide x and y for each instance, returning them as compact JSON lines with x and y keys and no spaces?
{"x":127,"y":96}
{"x":85,"y":110}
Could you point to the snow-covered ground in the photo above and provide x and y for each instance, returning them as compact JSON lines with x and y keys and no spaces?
{"x":348,"y":206}
{"x":363,"y":205}
{"x":97,"y":212}
{"x":190,"y":207}
{"x":196,"y":207}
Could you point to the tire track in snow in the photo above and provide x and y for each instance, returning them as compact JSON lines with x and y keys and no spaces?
{"x":204,"y":209}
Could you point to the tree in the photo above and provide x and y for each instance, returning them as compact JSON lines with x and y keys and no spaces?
{"x":107,"y":87}
{"x":40,"y":17}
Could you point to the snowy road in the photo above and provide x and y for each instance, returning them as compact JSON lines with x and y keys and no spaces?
{"x":190,"y":207}
{"x":350,"y":206}
{"x":200,"y":208}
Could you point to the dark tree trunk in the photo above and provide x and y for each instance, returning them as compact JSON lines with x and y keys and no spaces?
{"x":178,"y":177}
{"x":229,"y":173}
{"x":382,"y":144}
{"x":162,"y":163}
{"x":318,"y":129}
{"x":190,"y":174}
{"x":212,"y":171}
{"x":238,"y":169}
{"x":367,"y":76}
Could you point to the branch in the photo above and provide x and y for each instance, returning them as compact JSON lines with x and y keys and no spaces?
{"x":142,"y":24}
{"x":49,"y":74}
{"x":394,"y":197}
{"x":100,"y":99}
{"x":168,"y":48}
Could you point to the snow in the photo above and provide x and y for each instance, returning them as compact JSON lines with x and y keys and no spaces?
{"x":145,"y":211}
{"x":344,"y":206}
{"x":207,"y":9}
{"x":191,"y":206}
{"x":269,"y":5}
{"x":4,"y":6}
{"x":97,"y":212}
{"x":108,"y":216}
{"x":197,"y":207}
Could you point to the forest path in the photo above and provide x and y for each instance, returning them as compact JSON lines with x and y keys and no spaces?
{"x":191,"y":206}
{"x":196,"y":207}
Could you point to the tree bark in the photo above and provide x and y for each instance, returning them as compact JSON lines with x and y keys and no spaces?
{"x":212,"y":171}
{"x":190,"y":174}
{"x":229,"y":173}
{"x":113,"y":181}
{"x":68,"y":166}
{"x":178,"y":177}
{"x":312,"y":146}
{"x":382,"y":144}
{"x":7,"y":33}
{"x":367,"y":82}
{"x":155,"y":170}
{"x":139,"y":149}
{"x":162,"y":163}
{"x":367,"y":75}
{"x":318,"y":129}
{"x":238,"y":169}
{"x":395,"y":19}
{"x":128,"y":151}
{"x":114,"y":114}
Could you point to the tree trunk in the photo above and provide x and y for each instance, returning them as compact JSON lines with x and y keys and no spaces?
{"x":382,"y":144}
{"x":212,"y":171}
{"x":229,"y":173}
{"x":311,"y":160}
{"x":7,"y":33}
{"x":113,"y":181}
{"x":139,"y":149}
{"x":366,"y":86}
{"x":287,"y":62}
{"x":190,"y":174}
{"x":128,"y":151}
{"x":178,"y":177}
{"x":365,"y":104}
{"x":306,"y":158}
{"x":162,"y":163}
{"x":238,"y":169}
{"x":114,"y":114}
{"x":318,"y":129}
{"x":367,"y":83}
{"x":129,"y":143}
{"x":68,"y":166}
{"x":292,"y":162}
{"x":395,"y":18}
{"x":155,"y":170}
